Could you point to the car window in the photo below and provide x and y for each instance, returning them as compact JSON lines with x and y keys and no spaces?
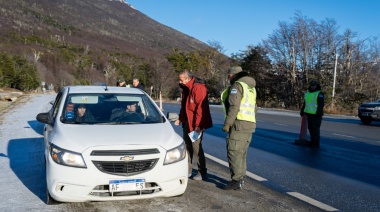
{"x":110,"y":109}
{"x":56,"y":104}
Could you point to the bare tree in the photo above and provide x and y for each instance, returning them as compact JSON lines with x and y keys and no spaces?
{"x":163,"y":77}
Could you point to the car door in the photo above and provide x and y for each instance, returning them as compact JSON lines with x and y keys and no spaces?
{"x":49,"y":129}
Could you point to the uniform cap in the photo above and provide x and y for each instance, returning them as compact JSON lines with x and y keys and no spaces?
{"x":313,"y":82}
{"x":234,"y":70}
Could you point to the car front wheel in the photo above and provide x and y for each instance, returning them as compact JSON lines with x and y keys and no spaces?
{"x":50,"y":200}
{"x":366,"y":121}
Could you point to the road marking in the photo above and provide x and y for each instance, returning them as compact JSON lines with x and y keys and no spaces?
{"x":294,"y":194}
{"x":280,"y":124}
{"x":348,"y":136}
{"x":312,"y":201}
{"x":249,"y":174}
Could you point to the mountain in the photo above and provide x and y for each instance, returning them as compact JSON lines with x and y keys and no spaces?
{"x":66,"y":42}
{"x":98,"y":23}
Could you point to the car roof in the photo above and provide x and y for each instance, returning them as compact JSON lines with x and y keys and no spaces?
{"x":102,"y":89}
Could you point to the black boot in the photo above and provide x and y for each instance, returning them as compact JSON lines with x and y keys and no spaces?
{"x":234,"y":185}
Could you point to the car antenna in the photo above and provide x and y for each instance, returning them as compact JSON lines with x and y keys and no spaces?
{"x":106,"y":88}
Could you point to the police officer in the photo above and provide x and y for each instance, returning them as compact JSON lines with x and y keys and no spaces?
{"x":121,"y":83}
{"x":312,"y":107}
{"x":239,"y":101}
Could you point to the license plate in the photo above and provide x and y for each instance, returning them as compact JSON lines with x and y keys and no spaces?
{"x":126,"y":185}
{"x":365,"y":114}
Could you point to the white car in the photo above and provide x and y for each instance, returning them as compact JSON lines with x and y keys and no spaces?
{"x":113,"y":152}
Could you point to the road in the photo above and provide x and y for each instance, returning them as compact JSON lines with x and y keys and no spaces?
{"x":343,"y":174}
{"x":22,"y":176}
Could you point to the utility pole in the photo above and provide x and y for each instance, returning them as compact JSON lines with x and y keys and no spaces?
{"x":333,"y":90}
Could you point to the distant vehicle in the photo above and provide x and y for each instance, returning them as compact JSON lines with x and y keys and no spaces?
{"x":134,"y":155}
{"x":369,"y":112}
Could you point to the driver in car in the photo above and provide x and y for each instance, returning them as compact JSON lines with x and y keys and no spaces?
{"x":129,"y":113}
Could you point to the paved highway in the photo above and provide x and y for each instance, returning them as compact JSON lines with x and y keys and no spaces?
{"x":343,"y":174}
{"x":22,"y":175}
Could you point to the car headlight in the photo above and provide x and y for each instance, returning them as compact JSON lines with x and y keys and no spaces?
{"x":66,"y":157}
{"x":377,"y":108}
{"x":175,"y":154}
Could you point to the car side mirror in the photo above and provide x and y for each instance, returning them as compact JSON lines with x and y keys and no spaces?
{"x":172,"y":116}
{"x":44,"y":118}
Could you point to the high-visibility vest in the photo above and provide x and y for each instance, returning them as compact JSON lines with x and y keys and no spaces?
{"x":311,"y":103}
{"x":247,"y":103}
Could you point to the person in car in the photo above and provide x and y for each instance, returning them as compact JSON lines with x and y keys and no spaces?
{"x":83,"y":115}
{"x":131,"y":111}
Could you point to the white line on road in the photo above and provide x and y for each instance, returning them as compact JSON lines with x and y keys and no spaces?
{"x":312,"y":201}
{"x":249,"y":174}
{"x":348,"y":136}
{"x":281,"y":124}
{"x":294,"y":194}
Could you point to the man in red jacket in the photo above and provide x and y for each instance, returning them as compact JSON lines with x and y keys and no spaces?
{"x":195,"y":116}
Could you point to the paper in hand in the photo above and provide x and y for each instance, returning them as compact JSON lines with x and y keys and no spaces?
{"x":194,"y":135}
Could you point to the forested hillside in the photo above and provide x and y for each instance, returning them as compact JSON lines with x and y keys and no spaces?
{"x":68,"y":42}
{"x":85,"y":42}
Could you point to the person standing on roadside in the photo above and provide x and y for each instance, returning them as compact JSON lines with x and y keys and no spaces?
{"x":195,"y":116}
{"x":136,"y":84}
{"x":312,"y":107}
{"x":239,"y":101}
{"x":121,"y":83}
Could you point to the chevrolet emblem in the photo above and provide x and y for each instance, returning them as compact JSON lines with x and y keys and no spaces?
{"x":127,"y":158}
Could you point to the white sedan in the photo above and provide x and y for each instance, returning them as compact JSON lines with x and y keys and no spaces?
{"x":110,"y":143}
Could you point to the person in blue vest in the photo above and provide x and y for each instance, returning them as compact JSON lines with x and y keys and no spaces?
{"x":239,"y":104}
{"x":312,"y":107}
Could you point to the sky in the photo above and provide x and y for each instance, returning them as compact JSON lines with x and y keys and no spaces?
{"x":236,"y":24}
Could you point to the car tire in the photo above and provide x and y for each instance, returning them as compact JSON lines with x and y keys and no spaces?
{"x":50,"y":200}
{"x":366,"y":121}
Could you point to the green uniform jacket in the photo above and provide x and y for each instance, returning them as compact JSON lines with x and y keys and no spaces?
{"x":233,"y":103}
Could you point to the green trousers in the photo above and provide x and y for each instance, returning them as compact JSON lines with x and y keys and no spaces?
{"x":237,"y":146}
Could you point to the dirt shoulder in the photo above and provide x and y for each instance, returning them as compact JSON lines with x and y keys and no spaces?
{"x":9,"y":98}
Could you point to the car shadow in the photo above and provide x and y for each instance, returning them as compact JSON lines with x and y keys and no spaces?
{"x":26,"y":158}
{"x":36,"y":126}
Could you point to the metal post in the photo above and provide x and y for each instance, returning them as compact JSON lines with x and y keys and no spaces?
{"x":333,"y":90}
{"x":161,"y":102}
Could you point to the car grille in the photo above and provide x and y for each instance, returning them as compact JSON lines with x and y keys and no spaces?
{"x":124,"y":152}
{"x":125,"y":168}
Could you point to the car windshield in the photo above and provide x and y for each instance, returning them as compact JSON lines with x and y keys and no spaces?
{"x":110,"y":109}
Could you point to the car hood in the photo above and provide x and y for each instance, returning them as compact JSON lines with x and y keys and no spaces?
{"x":370,"y":104}
{"x":79,"y":137}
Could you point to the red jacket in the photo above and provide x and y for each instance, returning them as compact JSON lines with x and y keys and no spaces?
{"x":194,"y":105}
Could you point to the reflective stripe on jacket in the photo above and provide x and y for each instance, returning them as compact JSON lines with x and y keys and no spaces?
{"x":311,"y":103}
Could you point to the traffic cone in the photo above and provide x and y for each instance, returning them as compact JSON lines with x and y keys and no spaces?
{"x":303,"y":132}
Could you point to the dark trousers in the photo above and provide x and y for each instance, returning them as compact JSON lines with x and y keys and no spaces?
{"x":314,"y":124}
{"x":195,"y":151}
{"x":237,"y":147}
